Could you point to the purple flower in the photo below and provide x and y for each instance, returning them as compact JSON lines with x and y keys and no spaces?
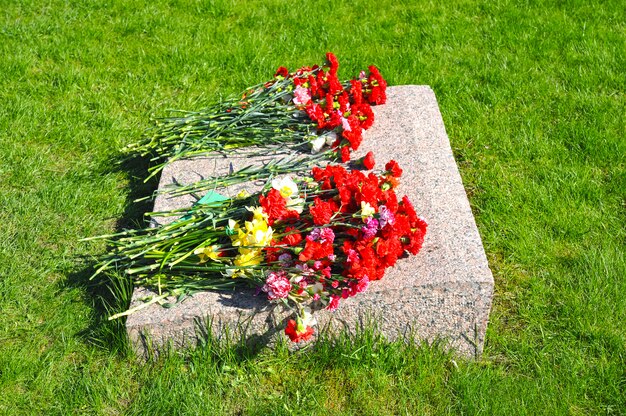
{"x":322,"y":234}
{"x":285,"y":259}
{"x":386,"y":216}
{"x":370,"y":228}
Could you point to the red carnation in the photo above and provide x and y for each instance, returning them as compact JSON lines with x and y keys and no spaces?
{"x":334,"y":119}
{"x":390,"y":200}
{"x":393,"y":168}
{"x":377,"y":96}
{"x":368,"y":161}
{"x":282,"y":72}
{"x":313,"y":85}
{"x":332,"y":62}
{"x":389,"y":250}
{"x":378,"y":87}
{"x":322,"y":211}
{"x":346,"y":197}
{"x":334,"y":85}
{"x":275,"y":206}
{"x":345,"y":154}
{"x":356,"y":91}
{"x":291,"y":330}
{"x":330,"y":103}
{"x":375,"y":74}
{"x":310,"y":251}
{"x":407,"y":208}
{"x":314,"y":250}
{"x":365,"y":114}
{"x":292,"y":238}
{"x":353,"y":136}
{"x":316,"y":113}
{"x":318,"y":173}
{"x":321,"y":81}
{"x":416,"y":239}
{"x":271,"y":254}
{"x":344,"y":102}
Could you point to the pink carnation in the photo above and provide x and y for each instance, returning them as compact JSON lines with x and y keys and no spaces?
{"x":301,"y":96}
{"x":353,"y":256}
{"x":277,"y":286}
{"x":362,"y":285}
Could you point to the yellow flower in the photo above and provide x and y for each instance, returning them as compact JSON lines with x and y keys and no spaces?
{"x":206,"y":253}
{"x":366,"y":210}
{"x":248,"y":259}
{"x":258,"y":213}
{"x":238,"y":236}
{"x":258,"y":233}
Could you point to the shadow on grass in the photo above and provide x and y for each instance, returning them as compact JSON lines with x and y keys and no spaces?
{"x":110,"y":293}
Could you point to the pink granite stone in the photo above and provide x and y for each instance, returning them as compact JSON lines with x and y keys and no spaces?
{"x":444,"y":293}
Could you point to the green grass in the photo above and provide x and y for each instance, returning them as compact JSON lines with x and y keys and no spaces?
{"x":532,"y":94}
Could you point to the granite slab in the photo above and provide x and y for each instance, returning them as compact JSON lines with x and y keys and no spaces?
{"x":444,"y":293}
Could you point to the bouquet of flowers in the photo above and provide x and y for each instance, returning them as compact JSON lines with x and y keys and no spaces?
{"x":307,"y":242}
{"x":309,"y":106}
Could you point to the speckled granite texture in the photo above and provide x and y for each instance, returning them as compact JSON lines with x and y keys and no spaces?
{"x":443,"y":293}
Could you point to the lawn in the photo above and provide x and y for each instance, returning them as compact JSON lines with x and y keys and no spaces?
{"x":532,"y":95}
